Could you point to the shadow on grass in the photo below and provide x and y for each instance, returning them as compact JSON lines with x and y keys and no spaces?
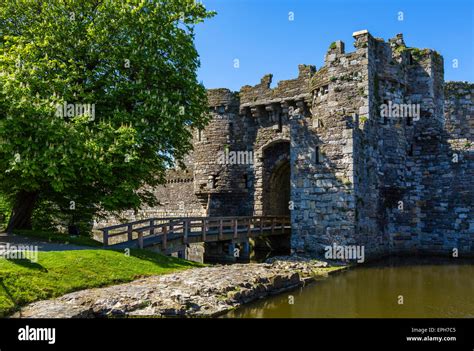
{"x":15,"y":307}
{"x":161,"y":260}
{"x":26,"y":263}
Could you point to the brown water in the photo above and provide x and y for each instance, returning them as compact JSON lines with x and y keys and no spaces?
{"x":429,"y":287}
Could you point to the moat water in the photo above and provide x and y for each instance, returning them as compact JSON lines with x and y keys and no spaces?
{"x":429,"y":287}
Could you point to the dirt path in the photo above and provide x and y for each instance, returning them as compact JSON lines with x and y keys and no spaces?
{"x":12,"y":240}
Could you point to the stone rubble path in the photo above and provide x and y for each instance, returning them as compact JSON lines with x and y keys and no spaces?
{"x":205,"y":292}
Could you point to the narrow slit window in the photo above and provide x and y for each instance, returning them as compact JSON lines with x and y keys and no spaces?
{"x":385,"y":117}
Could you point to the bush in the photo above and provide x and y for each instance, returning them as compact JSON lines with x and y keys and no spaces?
{"x":5,"y":211}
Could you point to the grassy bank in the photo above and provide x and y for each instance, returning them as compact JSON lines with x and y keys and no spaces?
{"x":58,"y":273}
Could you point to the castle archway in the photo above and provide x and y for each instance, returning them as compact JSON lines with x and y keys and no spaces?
{"x":276,"y":179}
{"x":277,"y":196}
{"x":272,"y":191}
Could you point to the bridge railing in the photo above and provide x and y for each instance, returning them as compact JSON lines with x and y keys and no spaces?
{"x":186,"y":226}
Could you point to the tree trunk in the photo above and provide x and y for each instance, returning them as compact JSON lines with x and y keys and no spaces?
{"x":22,"y":211}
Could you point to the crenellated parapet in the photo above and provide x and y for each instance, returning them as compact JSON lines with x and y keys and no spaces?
{"x":262,"y":101}
{"x":221,"y":100}
{"x":392,"y":183}
{"x":323,"y":140}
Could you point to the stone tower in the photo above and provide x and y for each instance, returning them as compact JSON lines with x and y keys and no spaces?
{"x":219,"y":181}
{"x":372,"y":149}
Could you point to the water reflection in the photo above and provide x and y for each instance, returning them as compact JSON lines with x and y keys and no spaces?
{"x":429,"y":287}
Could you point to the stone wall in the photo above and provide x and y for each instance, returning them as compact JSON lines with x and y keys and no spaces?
{"x":459,"y":110}
{"x":350,"y":176}
{"x":176,"y":197}
{"x":322,"y":153}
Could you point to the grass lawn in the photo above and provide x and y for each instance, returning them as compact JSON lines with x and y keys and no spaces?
{"x":58,"y":237}
{"x":59,"y":272}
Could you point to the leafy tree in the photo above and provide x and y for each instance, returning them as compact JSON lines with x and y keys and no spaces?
{"x":97,"y":99}
{"x":4,"y":212}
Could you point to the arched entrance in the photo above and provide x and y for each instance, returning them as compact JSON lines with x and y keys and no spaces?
{"x":276,"y":179}
{"x":277,"y":195}
{"x":275,"y":172}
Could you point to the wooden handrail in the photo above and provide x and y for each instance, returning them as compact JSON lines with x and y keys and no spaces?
{"x":183,"y":226}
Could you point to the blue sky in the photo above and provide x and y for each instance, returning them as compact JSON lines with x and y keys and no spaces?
{"x":260,"y":35}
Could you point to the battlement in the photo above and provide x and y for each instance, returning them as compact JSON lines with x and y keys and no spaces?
{"x":286,"y":89}
{"x":221,"y":97}
{"x":459,"y":90}
{"x":385,"y":70}
{"x":320,"y":141}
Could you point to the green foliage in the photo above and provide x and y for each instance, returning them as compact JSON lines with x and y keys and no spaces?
{"x":400,"y":49}
{"x":418,"y":54}
{"x":333,"y":45}
{"x":5,"y":210}
{"x":59,"y":272}
{"x":134,"y":61}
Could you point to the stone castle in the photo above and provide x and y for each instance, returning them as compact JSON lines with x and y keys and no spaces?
{"x":319,"y":149}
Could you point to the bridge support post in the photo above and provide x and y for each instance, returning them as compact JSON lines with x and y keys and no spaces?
{"x":140,"y":240}
{"x":245,"y":249}
{"x":231,"y":249}
{"x":152,"y":226}
{"x":195,"y":252}
{"x":105,"y":237}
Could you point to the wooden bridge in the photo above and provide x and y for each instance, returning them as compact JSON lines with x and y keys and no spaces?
{"x":165,"y":232}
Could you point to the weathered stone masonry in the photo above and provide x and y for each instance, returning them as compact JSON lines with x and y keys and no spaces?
{"x":320,"y":147}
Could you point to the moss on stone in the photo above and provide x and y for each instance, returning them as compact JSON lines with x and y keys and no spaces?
{"x":418,"y":54}
{"x":400,"y":49}
{"x":457,"y":89}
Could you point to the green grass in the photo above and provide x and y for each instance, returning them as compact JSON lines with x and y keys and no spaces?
{"x":58,"y":237}
{"x":59,"y":272}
